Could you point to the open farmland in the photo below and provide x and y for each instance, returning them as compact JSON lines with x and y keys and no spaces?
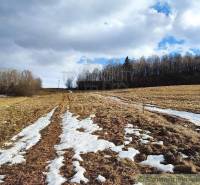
{"x":183,"y":97}
{"x":107,"y":137}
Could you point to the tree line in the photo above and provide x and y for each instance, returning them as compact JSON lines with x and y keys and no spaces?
{"x":144,"y":72}
{"x":18,"y":83}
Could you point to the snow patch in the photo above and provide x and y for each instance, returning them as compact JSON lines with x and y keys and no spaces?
{"x":1,"y":178}
{"x":130,"y":154}
{"x":27,"y":138}
{"x":101,"y":178}
{"x":156,"y":161}
{"x":132,"y":131}
{"x":79,"y":176}
{"x":144,"y":138}
{"x":129,"y":125}
{"x":53,"y":176}
{"x":192,"y":117}
{"x":158,"y":143}
{"x":83,"y":142}
{"x":143,"y":141}
{"x":183,"y":155}
{"x":117,"y":149}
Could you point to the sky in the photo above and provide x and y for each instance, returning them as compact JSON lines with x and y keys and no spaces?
{"x":62,"y":38}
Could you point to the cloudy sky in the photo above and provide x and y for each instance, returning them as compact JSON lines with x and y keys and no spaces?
{"x":56,"y":37}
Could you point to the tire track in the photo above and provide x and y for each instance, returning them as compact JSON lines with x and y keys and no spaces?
{"x":32,"y":172}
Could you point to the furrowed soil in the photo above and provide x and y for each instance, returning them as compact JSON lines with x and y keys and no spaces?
{"x":178,"y":136}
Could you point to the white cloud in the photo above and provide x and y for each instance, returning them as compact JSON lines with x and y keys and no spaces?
{"x":191,"y":18}
{"x":187,"y":22}
{"x":49,"y":37}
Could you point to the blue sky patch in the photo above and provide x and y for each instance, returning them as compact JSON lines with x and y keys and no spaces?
{"x":169,"y":40}
{"x":176,"y":52}
{"x":195,"y":51}
{"x":102,"y":61}
{"x":162,"y":7}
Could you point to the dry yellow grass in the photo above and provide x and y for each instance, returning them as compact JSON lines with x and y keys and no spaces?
{"x":6,"y":102}
{"x":17,"y":113}
{"x":112,"y":117}
{"x":183,"y":97}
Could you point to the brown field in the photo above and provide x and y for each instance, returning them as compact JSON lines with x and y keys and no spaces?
{"x":183,"y":97}
{"x":17,"y":113}
{"x":178,"y":135}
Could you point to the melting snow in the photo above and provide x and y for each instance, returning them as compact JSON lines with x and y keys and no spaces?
{"x":155,"y":161}
{"x":143,"y":141}
{"x":79,"y":176}
{"x":82,"y":143}
{"x":53,"y":176}
{"x":130,"y":154}
{"x":117,"y":149}
{"x":1,"y":178}
{"x":158,"y":143}
{"x":152,"y":160}
{"x":144,"y":138}
{"x":127,"y":142}
{"x":27,"y":138}
{"x":101,"y":178}
{"x":192,"y":117}
{"x":134,"y":131}
{"x":183,"y":155}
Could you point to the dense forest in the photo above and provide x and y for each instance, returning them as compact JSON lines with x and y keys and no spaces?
{"x":18,"y":83}
{"x":143,"y":72}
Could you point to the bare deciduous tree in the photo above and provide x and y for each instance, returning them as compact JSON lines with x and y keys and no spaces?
{"x":18,"y":83}
{"x":69,"y":83}
{"x":152,"y":71}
